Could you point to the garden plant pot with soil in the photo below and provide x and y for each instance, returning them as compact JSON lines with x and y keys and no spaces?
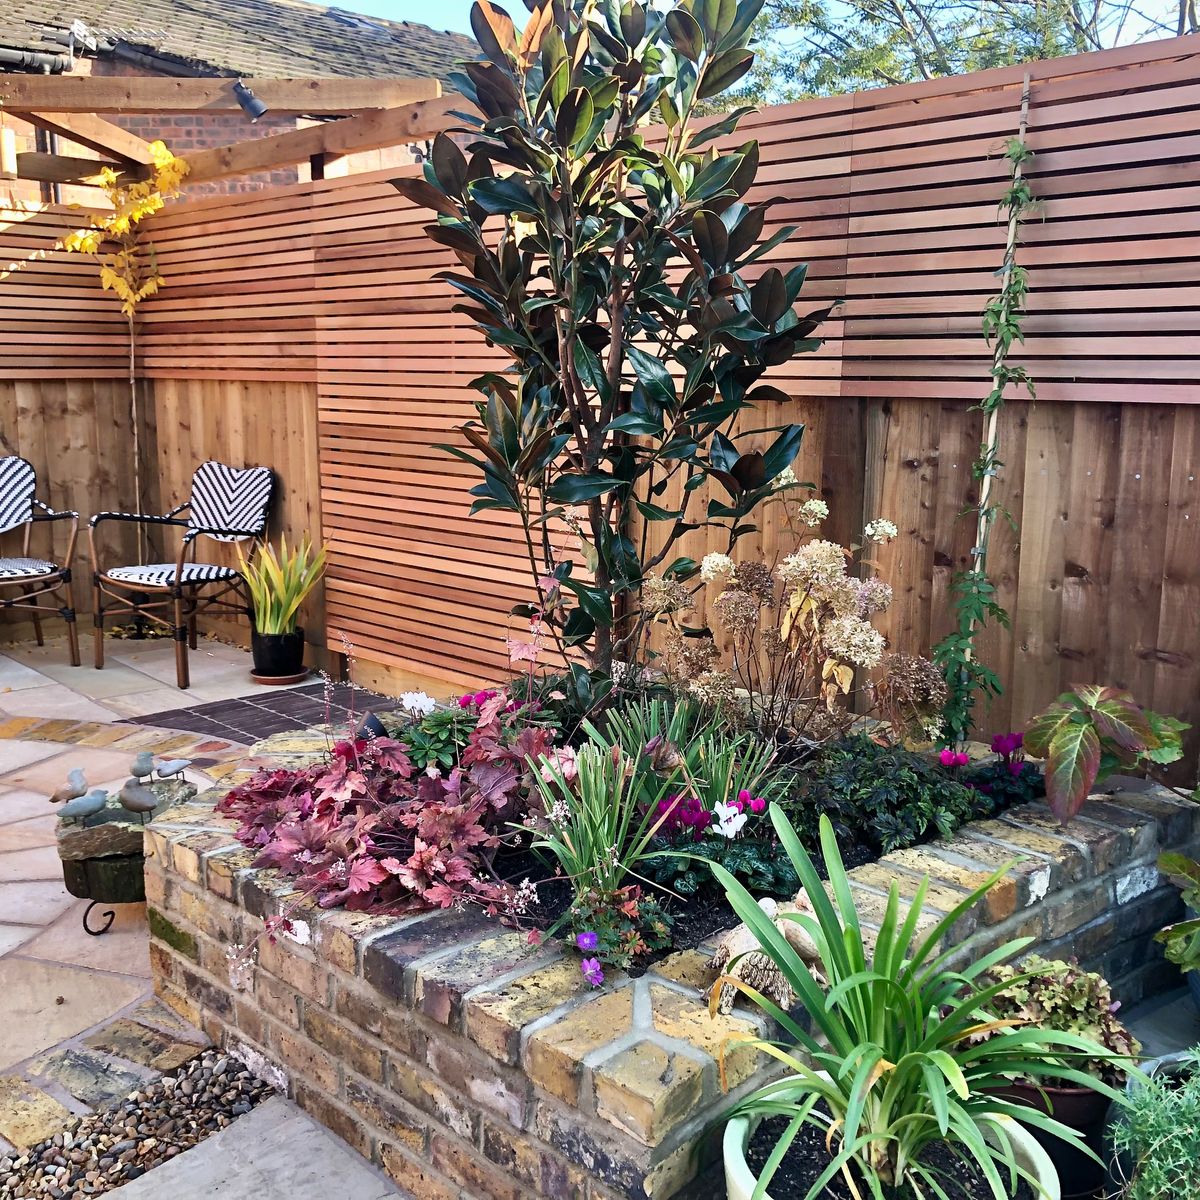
{"x":740,"y":1180}
{"x":278,"y":657}
{"x":1083,"y":1110}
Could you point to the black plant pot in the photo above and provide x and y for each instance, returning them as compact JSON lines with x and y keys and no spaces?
{"x":277,"y":656}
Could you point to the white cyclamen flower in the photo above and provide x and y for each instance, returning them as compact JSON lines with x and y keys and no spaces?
{"x":880,"y":530}
{"x":729,"y":819}
{"x":716,"y":566}
{"x":417,"y":703}
{"x":813,"y":512}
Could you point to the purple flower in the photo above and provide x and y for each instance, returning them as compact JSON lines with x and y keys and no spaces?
{"x":758,"y":805}
{"x":592,"y":971}
{"x":947,"y":757}
{"x":1007,"y":744}
{"x":587,"y":940}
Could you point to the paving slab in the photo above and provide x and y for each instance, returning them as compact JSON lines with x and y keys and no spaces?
{"x":91,"y":1078}
{"x":46,"y":1003}
{"x":275,"y":1152}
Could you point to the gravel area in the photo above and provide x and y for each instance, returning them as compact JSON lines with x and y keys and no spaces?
{"x":103,"y":1150}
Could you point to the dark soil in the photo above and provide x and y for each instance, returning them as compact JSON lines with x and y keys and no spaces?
{"x":696,"y":918}
{"x":807,"y":1158}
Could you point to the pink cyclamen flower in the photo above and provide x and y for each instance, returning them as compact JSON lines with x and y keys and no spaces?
{"x":758,"y":805}
{"x":592,"y":971}
{"x":948,"y":758}
{"x":962,"y":760}
{"x":587,"y":940}
{"x":744,"y":796}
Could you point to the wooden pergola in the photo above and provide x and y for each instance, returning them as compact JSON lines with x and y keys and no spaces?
{"x":354,"y":115}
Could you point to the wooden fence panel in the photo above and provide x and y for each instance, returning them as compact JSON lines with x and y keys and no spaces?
{"x":309,"y":315}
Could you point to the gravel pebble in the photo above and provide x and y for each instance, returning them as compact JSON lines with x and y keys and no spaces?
{"x":105,"y":1149}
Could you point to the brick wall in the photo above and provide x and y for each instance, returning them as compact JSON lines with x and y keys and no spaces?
{"x":471,"y":1066}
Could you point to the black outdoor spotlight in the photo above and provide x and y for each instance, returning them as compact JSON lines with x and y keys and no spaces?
{"x":249,"y":103}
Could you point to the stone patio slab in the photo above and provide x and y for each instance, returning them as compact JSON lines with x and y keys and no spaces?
{"x":275,"y":1152}
{"x":91,"y":1078}
{"x":28,"y":834}
{"x":40,"y":863}
{"x":27,"y":1114}
{"x":15,"y":755}
{"x":54,"y":700}
{"x":121,"y":950}
{"x":19,"y":804}
{"x":34,"y":903}
{"x":46,"y":1003}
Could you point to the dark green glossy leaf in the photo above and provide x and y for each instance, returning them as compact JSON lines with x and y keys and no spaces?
{"x":686,"y":35}
{"x":575,"y":489}
{"x":723,"y":72}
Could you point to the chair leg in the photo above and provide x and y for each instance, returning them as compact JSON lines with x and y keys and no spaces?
{"x":98,"y":624}
{"x":182,"y":677}
{"x":68,"y":614}
{"x":31,"y":595}
{"x":192,"y":631}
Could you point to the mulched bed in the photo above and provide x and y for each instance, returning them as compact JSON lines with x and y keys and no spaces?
{"x":105,"y":1149}
{"x":807,"y":1158}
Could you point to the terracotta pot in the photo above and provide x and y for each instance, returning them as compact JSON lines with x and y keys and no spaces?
{"x":1081,"y":1109}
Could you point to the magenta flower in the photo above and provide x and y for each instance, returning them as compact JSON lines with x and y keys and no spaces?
{"x":744,"y":796}
{"x":948,"y":757}
{"x":758,"y":805}
{"x":592,"y":971}
{"x":587,"y":940}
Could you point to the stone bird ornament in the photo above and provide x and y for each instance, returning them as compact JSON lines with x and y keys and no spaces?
{"x":83,"y":806}
{"x":173,"y":767}
{"x":142,"y":767}
{"x":138,"y":798}
{"x":738,"y":955}
{"x":75,"y":787}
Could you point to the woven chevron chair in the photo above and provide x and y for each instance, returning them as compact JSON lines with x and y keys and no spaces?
{"x":227,"y":504}
{"x":35,"y":578}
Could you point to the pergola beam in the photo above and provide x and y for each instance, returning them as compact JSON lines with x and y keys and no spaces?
{"x":93,"y":94}
{"x":369,"y":131}
{"x":104,"y":137}
{"x":62,"y":168}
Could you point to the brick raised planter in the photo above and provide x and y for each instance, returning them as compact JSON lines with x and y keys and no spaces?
{"x":470,"y":1065}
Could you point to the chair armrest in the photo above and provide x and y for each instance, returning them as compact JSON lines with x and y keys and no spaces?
{"x":136,"y":518}
{"x":49,"y":514}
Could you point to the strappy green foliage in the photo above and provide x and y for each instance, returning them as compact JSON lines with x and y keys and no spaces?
{"x":280,"y":581}
{"x":893,"y":1060}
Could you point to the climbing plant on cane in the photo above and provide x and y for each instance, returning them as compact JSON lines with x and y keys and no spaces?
{"x":129,"y":266}
{"x":975,"y":603}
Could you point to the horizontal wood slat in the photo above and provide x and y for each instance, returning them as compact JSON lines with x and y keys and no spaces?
{"x":320,"y":298}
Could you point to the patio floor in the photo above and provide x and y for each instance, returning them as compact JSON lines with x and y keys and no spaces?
{"x":79,"y":1025}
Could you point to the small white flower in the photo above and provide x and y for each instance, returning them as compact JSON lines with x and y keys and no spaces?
{"x":813,"y":512}
{"x":729,"y":819}
{"x":716,"y":567}
{"x":785,"y":478}
{"x":433,"y":771}
{"x":418,"y":703}
{"x":880,"y":530}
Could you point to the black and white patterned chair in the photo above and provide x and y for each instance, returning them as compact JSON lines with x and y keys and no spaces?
{"x":227,"y":504}
{"x":35,"y":577}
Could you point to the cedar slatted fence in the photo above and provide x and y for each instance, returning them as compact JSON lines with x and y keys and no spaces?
{"x":309,"y":313}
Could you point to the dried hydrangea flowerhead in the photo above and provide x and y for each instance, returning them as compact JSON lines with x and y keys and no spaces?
{"x":661,"y":597}
{"x":815,"y":564}
{"x":880,"y":530}
{"x":737,"y":610}
{"x":716,"y":568}
{"x":756,"y":578}
{"x":853,"y":640}
{"x":813,"y":512}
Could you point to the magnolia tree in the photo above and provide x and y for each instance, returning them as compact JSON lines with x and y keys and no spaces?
{"x":604,"y":241}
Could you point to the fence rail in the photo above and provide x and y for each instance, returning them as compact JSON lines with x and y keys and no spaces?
{"x":323,"y":294}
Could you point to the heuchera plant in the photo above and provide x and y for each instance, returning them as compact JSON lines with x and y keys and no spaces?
{"x":605,"y":257}
{"x":1092,"y":731}
{"x":363,"y":830}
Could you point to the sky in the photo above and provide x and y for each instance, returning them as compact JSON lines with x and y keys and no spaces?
{"x":438,"y":14}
